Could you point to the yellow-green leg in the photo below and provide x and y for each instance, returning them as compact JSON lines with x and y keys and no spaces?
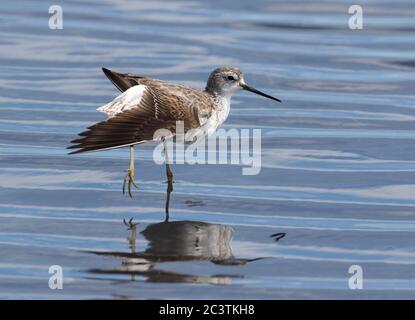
{"x":129,"y":177}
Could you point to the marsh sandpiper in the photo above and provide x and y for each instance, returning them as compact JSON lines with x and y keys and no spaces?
{"x":147,"y":105}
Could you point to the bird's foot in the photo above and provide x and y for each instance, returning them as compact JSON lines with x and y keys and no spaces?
{"x":278,"y":236}
{"x":130,"y":224}
{"x":129,"y":180}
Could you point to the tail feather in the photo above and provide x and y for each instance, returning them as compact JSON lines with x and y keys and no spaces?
{"x":122,"y":81}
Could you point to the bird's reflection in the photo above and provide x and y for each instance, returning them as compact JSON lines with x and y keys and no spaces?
{"x":176,"y":241}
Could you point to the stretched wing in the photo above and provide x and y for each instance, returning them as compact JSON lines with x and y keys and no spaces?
{"x":136,"y":115}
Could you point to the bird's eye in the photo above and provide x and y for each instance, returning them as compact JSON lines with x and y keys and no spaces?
{"x":231,"y":78}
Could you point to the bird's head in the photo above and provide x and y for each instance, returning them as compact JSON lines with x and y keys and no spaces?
{"x":225,"y":81}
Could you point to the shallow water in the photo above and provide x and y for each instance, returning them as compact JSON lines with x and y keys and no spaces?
{"x":338,"y":165}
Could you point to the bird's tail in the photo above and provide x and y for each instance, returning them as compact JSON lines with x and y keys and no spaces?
{"x":123,"y":81}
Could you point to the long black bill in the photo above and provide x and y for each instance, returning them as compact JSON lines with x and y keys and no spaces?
{"x":248,"y":88}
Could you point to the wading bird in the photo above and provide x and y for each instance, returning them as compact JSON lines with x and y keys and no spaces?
{"x":147,"y":105}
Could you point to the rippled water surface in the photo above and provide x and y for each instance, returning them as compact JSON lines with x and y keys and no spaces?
{"x":338,"y":156}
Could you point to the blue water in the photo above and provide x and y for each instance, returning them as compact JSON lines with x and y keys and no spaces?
{"x":338,"y":156}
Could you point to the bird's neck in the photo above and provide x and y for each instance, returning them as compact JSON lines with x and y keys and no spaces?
{"x":222,"y":96}
{"x":223,"y":105}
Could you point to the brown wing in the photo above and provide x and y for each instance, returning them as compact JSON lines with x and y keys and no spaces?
{"x":158,"y":109}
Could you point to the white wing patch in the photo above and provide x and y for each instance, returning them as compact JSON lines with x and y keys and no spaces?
{"x":125,"y":101}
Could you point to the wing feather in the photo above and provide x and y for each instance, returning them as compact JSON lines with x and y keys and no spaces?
{"x":123,"y":81}
{"x":143,"y":112}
